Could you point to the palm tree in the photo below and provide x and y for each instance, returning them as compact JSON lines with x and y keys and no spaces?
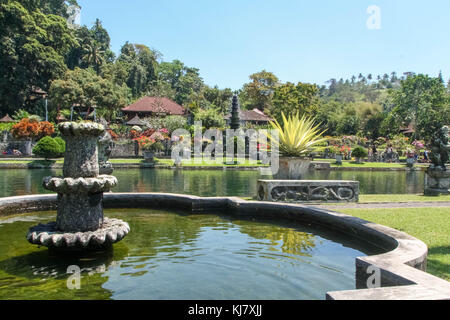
{"x":93,"y":55}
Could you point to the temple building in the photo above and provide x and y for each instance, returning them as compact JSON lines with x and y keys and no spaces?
{"x":153,"y":107}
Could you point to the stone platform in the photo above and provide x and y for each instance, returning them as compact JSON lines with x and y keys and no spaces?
{"x":437,"y":182}
{"x":304,"y":191}
{"x":48,"y":235}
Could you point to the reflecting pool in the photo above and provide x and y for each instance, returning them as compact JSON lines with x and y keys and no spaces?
{"x":170,"y":255}
{"x":239,"y":183}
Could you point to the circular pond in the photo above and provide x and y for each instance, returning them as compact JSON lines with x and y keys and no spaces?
{"x":175,"y":255}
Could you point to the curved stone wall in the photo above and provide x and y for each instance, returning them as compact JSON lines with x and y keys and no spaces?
{"x":401,"y":268}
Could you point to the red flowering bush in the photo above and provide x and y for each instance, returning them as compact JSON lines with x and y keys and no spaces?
{"x":134,"y":134}
{"x":145,"y":143}
{"x":344,"y":150}
{"x":30,"y":128}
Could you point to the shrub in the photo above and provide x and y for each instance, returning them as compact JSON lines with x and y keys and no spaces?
{"x":61,"y":143}
{"x":359,"y":152}
{"x":48,"y":147}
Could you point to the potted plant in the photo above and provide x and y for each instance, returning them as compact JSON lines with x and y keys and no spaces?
{"x":340,"y":152}
{"x":359,"y":152}
{"x":297,"y":137}
{"x":410,"y":158}
{"x":146,"y":145}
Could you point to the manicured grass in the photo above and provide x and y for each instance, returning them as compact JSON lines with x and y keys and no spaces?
{"x":192,"y":163}
{"x":167,"y":162}
{"x":431,"y":225}
{"x":353,"y":164}
{"x":400,"y":198}
{"x":126,"y":161}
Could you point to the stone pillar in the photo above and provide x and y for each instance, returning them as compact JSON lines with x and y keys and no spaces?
{"x":81,"y":157}
{"x":80,"y":212}
{"x":28,"y":149}
{"x":80,"y":193}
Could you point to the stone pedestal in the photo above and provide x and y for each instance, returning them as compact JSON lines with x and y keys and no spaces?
{"x":437,"y":182}
{"x":81,"y":157}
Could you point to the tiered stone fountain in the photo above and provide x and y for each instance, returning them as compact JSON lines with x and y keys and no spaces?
{"x":80,"y":224}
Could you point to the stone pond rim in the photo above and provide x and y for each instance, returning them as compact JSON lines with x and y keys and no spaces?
{"x":402,"y":266}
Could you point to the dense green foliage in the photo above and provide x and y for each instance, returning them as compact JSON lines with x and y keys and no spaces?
{"x":83,"y":87}
{"x":359,"y":152}
{"x":62,"y":144}
{"x":48,"y":148}
{"x":33,"y":49}
{"x":210,"y":118}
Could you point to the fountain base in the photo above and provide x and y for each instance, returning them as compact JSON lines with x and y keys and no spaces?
{"x":48,"y":235}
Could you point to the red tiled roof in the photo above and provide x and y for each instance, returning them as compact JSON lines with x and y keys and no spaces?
{"x":156,"y":105}
{"x":252,"y":115}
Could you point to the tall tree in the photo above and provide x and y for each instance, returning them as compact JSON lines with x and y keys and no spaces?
{"x":32,"y":53}
{"x":259,"y":92}
{"x":56,"y":7}
{"x":84,"y":88}
{"x":184,"y":80}
{"x":290,"y":99}
{"x":94,"y":56}
{"x":423,"y":101}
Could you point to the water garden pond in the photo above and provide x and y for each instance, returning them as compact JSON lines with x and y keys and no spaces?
{"x":213,"y":182}
{"x":174,"y":255}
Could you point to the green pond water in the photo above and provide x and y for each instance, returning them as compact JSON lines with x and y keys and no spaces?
{"x":169,"y":255}
{"x":212,"y":182}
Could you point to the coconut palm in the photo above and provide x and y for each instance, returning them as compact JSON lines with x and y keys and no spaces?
{"x":93,"y":55}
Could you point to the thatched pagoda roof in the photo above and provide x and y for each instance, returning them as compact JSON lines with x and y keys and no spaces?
{"x":6,"y":119}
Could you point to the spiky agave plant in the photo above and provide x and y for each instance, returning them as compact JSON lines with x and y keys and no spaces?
{"x":297,"y":136}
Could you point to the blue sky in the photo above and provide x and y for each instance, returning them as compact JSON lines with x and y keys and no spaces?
{"x":297,"y":40}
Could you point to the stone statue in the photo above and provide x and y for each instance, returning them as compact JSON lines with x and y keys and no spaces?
{"x":105,"y":146}
{"x":440,"y":150}
{"x":437,"y":177}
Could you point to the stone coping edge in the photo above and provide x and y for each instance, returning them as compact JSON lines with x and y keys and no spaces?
{"x":401,"y":267}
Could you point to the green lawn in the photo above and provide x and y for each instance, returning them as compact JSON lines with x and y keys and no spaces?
{"x":242,"y":163}
{"x":353,"y":164}
{"x":192,"y":163}
{"x":400,"y":198}
{"x":431,"y":225}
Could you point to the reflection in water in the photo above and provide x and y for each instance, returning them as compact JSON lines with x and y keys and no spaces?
{"x":288,"y":240}
{"x":213,"y":182}
{"x":182,"y":256}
